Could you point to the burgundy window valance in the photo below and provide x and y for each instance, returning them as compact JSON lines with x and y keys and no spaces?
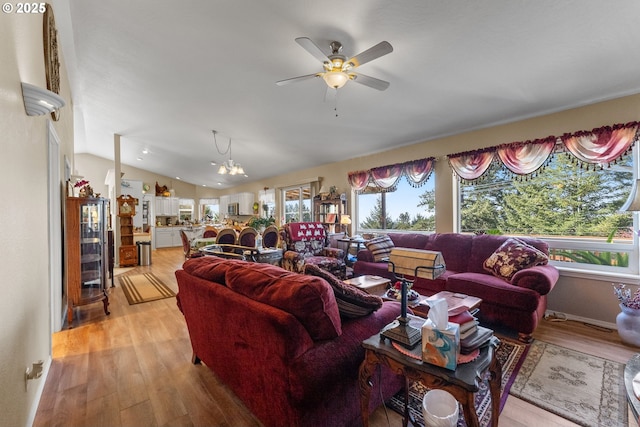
{"x":386,"y":178}
{"x":598,"y":147}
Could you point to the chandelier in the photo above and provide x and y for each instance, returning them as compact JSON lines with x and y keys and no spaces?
{"x":228,"y":166}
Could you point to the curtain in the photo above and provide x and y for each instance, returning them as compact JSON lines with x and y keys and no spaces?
{"x":603,"y":145}
{"x":386,"y":178}
{"x":598,"y":147}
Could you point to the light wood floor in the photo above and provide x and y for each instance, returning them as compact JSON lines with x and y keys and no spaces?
{"x":133,"y":368}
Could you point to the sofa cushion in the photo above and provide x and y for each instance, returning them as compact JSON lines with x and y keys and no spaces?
{"x":380,"y":247}
{"x":455,"y":249}
{"x":310,"y":299}
{"x":352,"y":301}
{"x":410,"y":240}
{"x":210,"y":268}
{"x":512,"y":256}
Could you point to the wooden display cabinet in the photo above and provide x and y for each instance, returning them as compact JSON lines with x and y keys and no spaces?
{"x":128,"y":253}
{"x":86,"y":252}
{"x":328,"y":211}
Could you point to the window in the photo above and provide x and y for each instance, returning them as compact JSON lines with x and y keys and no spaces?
{"x":210,"y":210}
{"x":297,"y":204}
{"x":267,"y":201}
{"x":406,"y":208}
{"x":573,"y":208}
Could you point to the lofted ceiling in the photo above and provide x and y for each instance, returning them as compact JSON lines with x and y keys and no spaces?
{"x":163,"y":75}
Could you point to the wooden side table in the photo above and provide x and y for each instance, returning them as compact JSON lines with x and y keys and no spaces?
{"x":461,"y":383}
{"x":374,"y":285}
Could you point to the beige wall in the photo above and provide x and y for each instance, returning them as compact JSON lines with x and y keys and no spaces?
{"x":575,"y":296}
{"x":24,"y":260}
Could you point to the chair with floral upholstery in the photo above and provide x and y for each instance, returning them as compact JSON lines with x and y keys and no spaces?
{"x":306,"y":243}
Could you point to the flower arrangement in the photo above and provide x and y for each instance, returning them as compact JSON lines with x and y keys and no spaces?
{"x":624,"y":296}
{"x":85,"y":188}
{"x":81,"y":183}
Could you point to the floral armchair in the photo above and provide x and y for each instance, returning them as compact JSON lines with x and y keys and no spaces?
{"x":306,"y":243}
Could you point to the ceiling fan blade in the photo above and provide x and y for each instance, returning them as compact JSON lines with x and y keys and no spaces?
{"x":296,"y":79}
{"x":370,"y":81}
{"x":313,"y":49}
{"x":370,"y":54}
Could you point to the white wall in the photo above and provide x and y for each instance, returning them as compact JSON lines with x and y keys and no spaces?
{"x":24,"y":307}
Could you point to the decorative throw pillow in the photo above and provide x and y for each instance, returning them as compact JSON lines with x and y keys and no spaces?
{"x":352,"y":301}
{"x":380,"y":247}
{"x":512,"y":256}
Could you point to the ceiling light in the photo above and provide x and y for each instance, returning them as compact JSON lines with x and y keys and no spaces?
{"x":228,"y":166}
{"x":335,"y":79}
{"x":140,"y":158}
{"x":145,"y":151}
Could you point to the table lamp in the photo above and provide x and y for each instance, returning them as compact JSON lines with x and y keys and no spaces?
{"x":426,"y":264}
{"x":345,"y":221}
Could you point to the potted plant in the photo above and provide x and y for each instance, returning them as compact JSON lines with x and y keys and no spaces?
{"x":628,"y":320}
{"x":260,"y":223}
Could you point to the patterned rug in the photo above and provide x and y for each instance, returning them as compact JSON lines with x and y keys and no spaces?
{"x":146,"y":287}
{"x":511,"y":355}
{"x":585,"y":389}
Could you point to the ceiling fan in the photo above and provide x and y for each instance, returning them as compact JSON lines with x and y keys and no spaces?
{"x":338,"y":70}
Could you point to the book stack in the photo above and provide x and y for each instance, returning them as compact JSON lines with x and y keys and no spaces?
{"x":472,"y":335}
{"x":467,"y":321}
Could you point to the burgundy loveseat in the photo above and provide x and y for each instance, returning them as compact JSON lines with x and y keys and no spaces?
{"x":517,"y":305}
{"x":276,"y":339}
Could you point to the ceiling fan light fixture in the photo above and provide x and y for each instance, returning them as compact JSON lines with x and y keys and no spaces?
{"x":335,"y":79}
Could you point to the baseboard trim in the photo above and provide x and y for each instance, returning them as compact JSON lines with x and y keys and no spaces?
{"x":40,"y":384}
{"x":560,"y":316}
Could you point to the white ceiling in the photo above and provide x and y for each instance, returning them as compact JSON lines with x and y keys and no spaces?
{"x":164,"y":74}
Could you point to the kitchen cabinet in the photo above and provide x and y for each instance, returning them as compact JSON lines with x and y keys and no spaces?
{"x":245,"y":203}
{"x":86,"y":252}
{"x":167,"y":206}
{"x":223,"y":205}
{"x":168,"y":237}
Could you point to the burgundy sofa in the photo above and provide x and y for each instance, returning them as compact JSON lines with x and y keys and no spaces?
{"x":276,"y":339}
{"x":517,"y":305}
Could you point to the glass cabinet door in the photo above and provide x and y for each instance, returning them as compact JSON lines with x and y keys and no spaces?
{"x":92,"y":238}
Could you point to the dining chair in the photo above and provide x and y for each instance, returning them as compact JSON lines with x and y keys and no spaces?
{"x":247,"y":237}
{"x":209,"y":233}
{"x":226,"y":236}
{"x":189,"y":252}
{"x":270,"y":237}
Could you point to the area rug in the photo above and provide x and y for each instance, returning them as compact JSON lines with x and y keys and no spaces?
{"x":585,"y":389}
{"x":511,"y":355}
{"x":146,"y":287}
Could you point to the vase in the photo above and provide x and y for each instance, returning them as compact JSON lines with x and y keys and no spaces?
{"x":628,"y":322}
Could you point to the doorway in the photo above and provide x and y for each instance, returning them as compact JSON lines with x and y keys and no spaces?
{"x":57,"y":291}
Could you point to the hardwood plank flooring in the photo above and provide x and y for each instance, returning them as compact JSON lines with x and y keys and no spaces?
{"x":133,"y":368}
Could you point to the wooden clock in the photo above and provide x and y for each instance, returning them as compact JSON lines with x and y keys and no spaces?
{"x":126,"y":210}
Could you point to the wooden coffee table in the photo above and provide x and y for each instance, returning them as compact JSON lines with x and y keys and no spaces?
{"x":462,"y":383}
{"x":374,"y":285}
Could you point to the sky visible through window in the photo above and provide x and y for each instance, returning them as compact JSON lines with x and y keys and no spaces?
{"x":404,"y":199}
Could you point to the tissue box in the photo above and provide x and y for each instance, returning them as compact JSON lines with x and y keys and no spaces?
{"x":441,"y":347}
